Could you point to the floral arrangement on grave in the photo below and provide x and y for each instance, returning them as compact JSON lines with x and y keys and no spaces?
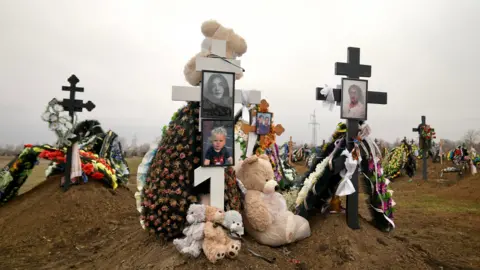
{"x":101,"y":154}
{"x":331,"y":171}
{"x":169,"y":187}
{"x":427,"y":134}
{"x":400,"y":158}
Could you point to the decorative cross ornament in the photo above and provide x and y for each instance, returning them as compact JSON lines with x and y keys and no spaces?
{"x":424,"y":148}
{"x":353,"y":70}
{"x":73,"y":105}
{"x":186,"y":93}
{"x":277,"y":129}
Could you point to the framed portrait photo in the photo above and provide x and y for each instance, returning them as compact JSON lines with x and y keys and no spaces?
{"x":218,"y":143}
{"x":263,"y":122}
{"x":218,"y":95}
{"x":354,"y":99}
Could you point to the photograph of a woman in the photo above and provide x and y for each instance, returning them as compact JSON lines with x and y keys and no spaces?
{"x":217,"y":95}
{"x":354,"y":93}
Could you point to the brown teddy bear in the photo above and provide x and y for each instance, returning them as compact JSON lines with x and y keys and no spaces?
{"x":236,"y":47}
{"x":216,"y":243}
{"x":266,"y":216}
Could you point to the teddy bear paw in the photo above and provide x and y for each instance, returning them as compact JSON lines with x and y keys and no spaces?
{"x":233,"y":250}
{"x":219,"y":256}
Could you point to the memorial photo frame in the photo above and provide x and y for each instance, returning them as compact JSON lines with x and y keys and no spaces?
{"x":217,"y":95}
{"x":218,"y":143}
{"x":354,"y":96}
{"x":263,"y":122}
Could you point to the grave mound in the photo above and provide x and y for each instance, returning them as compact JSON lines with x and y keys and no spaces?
{"x":91,"y":226}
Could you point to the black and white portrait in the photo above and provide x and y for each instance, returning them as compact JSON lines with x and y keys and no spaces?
{"x":354,"y":99}
{"x":217,"y":95}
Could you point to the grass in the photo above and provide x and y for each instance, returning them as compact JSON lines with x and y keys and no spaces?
{"x":432,"y":203}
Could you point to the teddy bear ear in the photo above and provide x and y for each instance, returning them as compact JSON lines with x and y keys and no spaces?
{"x":251,"y":159}
{"x":265,"y":157}
{"x":210,"y":27}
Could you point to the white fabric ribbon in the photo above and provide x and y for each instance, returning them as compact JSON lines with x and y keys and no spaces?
{"x":345,"y":187}
{"x":76,"y":169}
{"x":252,"y":136}
{"x":330,"y":98}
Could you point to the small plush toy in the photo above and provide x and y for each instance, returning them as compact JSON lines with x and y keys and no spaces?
{"x":233,"y":222}
{"x":236,"y":47}
{"x":266,"y":217}
{"x":216,"y":243}
{"x":191,"y":244}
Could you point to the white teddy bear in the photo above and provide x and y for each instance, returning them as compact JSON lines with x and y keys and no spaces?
{"x":191,"y":244}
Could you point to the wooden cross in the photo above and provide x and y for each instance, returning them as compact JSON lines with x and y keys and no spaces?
{"x":277,"y":129}
{"x":424,"y":148}
{"x":185,"y":93}
{"x":290,"y":150}
{"x":73,"y":105}
{"x":353,"y":70}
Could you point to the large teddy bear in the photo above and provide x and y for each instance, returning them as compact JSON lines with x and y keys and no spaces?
{"x":236,"y":47}
{"x":217,"y":244}
{"x":266,"y":217}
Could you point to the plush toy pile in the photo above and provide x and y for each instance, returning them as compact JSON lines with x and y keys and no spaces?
{"x":215,"y":232}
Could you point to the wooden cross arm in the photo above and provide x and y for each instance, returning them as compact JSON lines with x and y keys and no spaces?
{"x":373,"y":97}
{"x":278,"y":130}
{"x":247,"y":128}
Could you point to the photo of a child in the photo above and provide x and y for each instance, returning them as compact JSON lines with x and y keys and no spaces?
{"x":263,"y":123}
{"x":218,"y":143}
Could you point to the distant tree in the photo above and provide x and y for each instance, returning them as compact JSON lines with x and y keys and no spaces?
{"x":471,"y":137}
{"x":143,"y":149}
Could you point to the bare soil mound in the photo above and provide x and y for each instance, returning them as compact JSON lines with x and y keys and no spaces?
{"x":93,"y":227}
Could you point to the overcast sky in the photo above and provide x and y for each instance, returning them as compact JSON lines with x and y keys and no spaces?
{"x":128,"y":54}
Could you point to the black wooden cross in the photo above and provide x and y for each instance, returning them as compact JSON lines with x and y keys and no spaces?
{"x":72,"y":105}
{"x":424,"y":148}
{"x":353,"y":70}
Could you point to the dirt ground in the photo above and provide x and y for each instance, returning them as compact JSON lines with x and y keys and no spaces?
{"x":92,"y":227}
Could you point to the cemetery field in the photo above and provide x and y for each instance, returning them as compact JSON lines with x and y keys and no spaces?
{"x":92,"y":227}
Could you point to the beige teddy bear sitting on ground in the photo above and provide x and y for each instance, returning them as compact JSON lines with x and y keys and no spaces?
{"x":266,"y":217}
{"x":236,"y":47}
{"x":216,"y":243}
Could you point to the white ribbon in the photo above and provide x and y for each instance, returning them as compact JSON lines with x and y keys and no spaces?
{"x":345,"y":187}
{"x":330,"y":98}
{"x":252,"y":136}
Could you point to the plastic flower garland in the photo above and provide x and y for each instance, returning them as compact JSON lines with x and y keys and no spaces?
{"x":58,"y":121}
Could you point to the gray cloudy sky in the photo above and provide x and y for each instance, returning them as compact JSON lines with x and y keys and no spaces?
{"x":128,"y":54}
